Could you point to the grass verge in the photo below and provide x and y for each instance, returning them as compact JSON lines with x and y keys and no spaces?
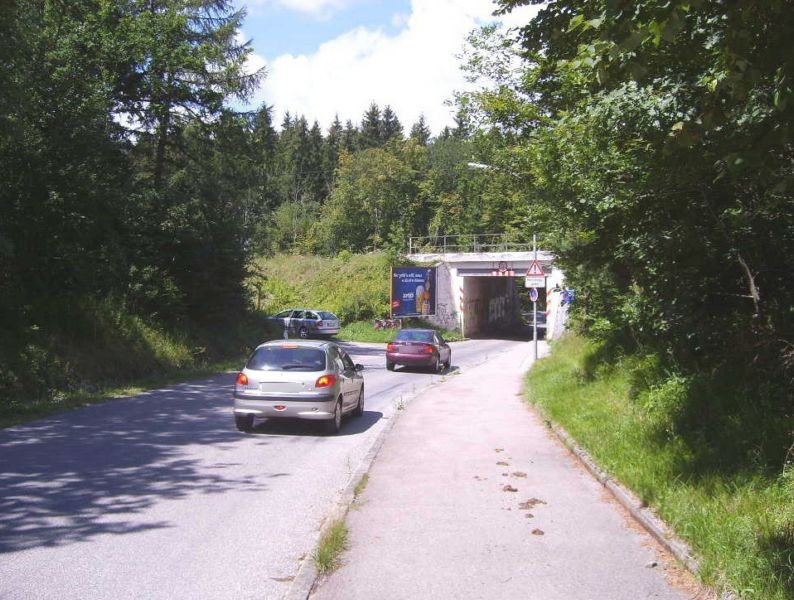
{"x":98,"y":352}
{"x":697,"y":463}
{"x":330,"y":548}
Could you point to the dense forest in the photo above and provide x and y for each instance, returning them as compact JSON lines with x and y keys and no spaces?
{"x":655,"y":139}
{"x":648,"y":144}
{"x":133,"y":198}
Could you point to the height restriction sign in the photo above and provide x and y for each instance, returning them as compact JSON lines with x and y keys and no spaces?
{"x":535,"y":278}
{"x":535,"y":270}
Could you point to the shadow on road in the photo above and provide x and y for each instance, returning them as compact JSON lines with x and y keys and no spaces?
{"x":86,"y":473}
{"x":301,"y":427}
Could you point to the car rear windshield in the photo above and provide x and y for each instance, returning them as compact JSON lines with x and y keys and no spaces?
{"x":326,"y":316}
{"x":415,"y":336}
{"x":287,"y":358}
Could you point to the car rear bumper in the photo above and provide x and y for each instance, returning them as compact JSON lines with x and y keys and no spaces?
{"x":411,"y":360}
{"x":315,"y":407}
{"x":328,"y":330}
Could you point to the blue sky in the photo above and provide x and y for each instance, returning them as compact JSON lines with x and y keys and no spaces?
{"x":279,"y":29}
{"x":335,"y":57}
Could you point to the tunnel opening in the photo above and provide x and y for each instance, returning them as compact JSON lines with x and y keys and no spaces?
{"x":491,"y":306}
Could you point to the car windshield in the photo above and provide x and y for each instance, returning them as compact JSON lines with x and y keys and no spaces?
{"x":326,"y":316}
{"x":415,"y":336}
{"x":287,"y":358}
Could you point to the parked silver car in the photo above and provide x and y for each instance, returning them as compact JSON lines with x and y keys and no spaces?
{"x":307,"y":322}
{"x":302,"y":379}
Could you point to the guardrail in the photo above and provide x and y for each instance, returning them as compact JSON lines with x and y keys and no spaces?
{"x":479,"y":242}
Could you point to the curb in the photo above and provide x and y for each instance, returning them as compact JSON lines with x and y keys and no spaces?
{"x":307,"y":575}
{"x":643,"y":515}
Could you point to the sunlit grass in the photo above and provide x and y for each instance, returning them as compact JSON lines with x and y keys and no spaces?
{"x":740,"y":521}
{"x":329,"y":550}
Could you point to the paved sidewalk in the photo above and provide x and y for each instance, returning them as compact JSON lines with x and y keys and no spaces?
{"x":472,"y":497}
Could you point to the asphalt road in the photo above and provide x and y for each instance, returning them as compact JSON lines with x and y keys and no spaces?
{"x":159,"y":496}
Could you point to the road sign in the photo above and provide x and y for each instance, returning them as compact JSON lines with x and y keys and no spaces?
{"x":535,"y":282}
{"x":535,"y":270}
{"x":533,"y":294}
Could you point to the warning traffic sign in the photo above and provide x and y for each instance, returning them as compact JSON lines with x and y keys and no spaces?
{"x":535,"y":270}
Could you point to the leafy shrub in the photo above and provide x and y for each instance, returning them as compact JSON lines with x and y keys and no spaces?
{"x":667,"y":396}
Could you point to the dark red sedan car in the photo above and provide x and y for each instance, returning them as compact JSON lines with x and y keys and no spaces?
{"x":419,"y":348}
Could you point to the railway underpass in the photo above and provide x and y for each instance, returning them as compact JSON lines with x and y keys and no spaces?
{"x":479,"y":283}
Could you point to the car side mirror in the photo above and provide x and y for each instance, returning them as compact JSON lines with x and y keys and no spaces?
{"x":359,"y":367}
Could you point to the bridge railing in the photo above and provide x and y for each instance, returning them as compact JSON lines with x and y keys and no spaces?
{"x":475,"y":242}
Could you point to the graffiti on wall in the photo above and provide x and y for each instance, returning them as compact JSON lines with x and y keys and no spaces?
{"x":497,"y":308}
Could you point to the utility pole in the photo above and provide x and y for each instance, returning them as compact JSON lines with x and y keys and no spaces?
{"x":535,"y":303}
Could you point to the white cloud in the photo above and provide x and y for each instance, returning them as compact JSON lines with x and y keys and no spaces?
{"x":414,"y":71}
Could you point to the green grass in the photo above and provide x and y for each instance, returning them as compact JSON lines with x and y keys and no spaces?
{"x":98,"y":352}
{"x":361,"y":485}
{"x":354,"y":287}
{"x":688,"y":452}
{"x":329,"y":550}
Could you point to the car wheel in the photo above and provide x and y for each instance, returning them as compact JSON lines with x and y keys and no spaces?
{"x":448,"y":364}
{"x":437,"y":366}
{"x":244,"y":422}
{"x":389,"y":366}
{"x":303,"y":332}
{"x":334,"y":425}
{"x":359,"y":410}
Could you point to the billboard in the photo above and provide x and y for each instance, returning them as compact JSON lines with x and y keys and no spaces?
{"x":413,"y":291}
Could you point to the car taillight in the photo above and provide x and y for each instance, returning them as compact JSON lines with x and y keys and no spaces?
{"x":428,"y":349}
{"x":242,"y":379}
{"x":390,"y":347}
{"x":325,"y":381}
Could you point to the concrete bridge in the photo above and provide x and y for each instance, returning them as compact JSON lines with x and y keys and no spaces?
{"x":478,"y":282}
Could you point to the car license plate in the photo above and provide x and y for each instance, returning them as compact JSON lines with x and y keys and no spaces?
{"x":279,"y":387}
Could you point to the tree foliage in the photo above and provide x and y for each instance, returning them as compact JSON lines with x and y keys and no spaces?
{"x":656,"y":139}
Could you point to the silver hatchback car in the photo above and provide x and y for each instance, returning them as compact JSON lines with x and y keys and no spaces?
{"x":307,"y":322}
{"x":299,"y":379}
